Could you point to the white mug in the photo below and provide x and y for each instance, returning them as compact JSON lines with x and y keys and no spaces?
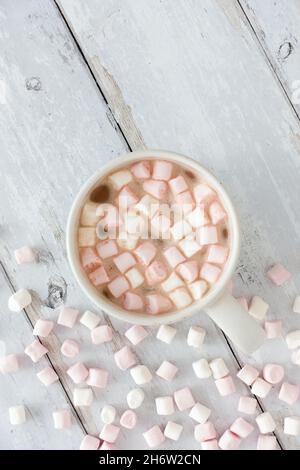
{"x":218,"y":303}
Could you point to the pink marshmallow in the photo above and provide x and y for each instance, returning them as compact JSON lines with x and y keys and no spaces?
{"x":217,"y":254}
{"x":156,"y":303}
{"x":97,"y":378}
{"x":278,"y":274}
{"x":141,"y":170}
{"x":167,"y":371}
{"x":273,"y":373}
{"x":62,"y":419}
{"x":210,"y":445}
{"x":260,"y":388}
{"x":229,"y":441}
{"x":108,"y":446}
{"x":101,"y":334}
{"x":248,"y":374}
{"x":217,"y":213}
{"x":174,"y":256}
{"x":184,"y":399}
{"x":154,"y":436}
{"x":178,"y":185}
{"x":156,"y":273}
{"x":9,"y":364}
{"x":136,"y":334}
{"x":243,"y":302}
{"x":210,"y":273}
{"x":67,"y":316}
{"x":241,"y":428}
{"x":203,"y":193}
{"x":47,"y":376}
{"x":247,"y":405}
{"x":109,"y":433}
{"x":188,"y":271}
{"x":132,"y":301}
{"x":207,"y":235}
{"x":289,"y":393}
{"x":157,"y":189}
{"x":124,"y":261}
{"x":69,"y":348}
{"x":118,"y":286}
{"x":78,"y":372}
{"x":273,"y":329}
{"x":89,"y":258}
{"x":107,"y":249}
{"x":266,"y":442}
{"x":43,"y":328}
{"x":185,"y":201}
{"x":124,"y":358}
{"x":145,"y":253}
{"x":35,"y":351}
{"x":162,"y":170}
{"x":160,"y":225}
{"x":128,"y":419}
{"x":90,"y":443}
{"x":205,"y":432}
{"x":127,"y":198}
{"x":25,"y":254}
{"x":225,"y":386}
{"x":99,"y":276}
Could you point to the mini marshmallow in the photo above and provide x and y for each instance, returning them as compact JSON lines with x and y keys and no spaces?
{"x":67,"y":316}
{"x":173,"y":430}
{"x":124,"y":261}
{"x":203,"y":193}
{"x":296,"y":305}
{"x":43,"y":328}
{"x":62,"y":419}
{"x":120,"y":179}
{"x":174,"y":256}
{"x":180,"y":297}
{"x":260,"y":388}
{"x":210,"y":445}
{"x":82,"y":396}
{"x":247,"y":405}
{"x":188,"y":270}
{"x":210,"y":272}
{"x":217,"y":254}
{"x":200,"y":413}
{"x":156,"y":273}
{"x":47,"y":376}
{"x":202,"y":369}
{"x":135,"y":278}
{"x":127,"y":198}
{"x":90,"y":320}
{"x":127,"y":242}
{"x":293,"y":339}
{"x":195,"y":337}
{"x":162,"y":170}
{"x":141,"y":374}
{"x":124,"y":358}
{"x":109,"y":433}
{"x":118,"y":286}
{"x":185,"y":201}
{"x":97,"y":378}
{"x":9,"y":364}
{"x":98,"y":277}
{"x":292,"y":425}
{"x":101,"y":334}
{"x":141,"y":170}
{"x":107,"y":248}
{"x":273,"y":373}
{"x":248,"y":374}
{"x":241,"y":428}
{"x":189,"y":247}
{"x":164,"y":406}
{"x":157,"y":189}
{"x":108,"y":414}
{"x":167,"y":371}
{"x":184,"y":399}
{"x":17,"y":415}
{"x":78,"y":372}
{"x":145,"y":253}
{"x":225,"y":386}
{"x":89,"y":216}
{"x":89,"y":443}
{"x":156,"y":303}
{"x":229,"y":441}
{"x":35,"y":351}
{"x":166,"y":333}
{"x":258,"y":308}
{"x":148,"y":206}
{"x":132,"y":301}
{"x":128,"y":419}
{"x":160,"y":225}
{"x":198,"y":217}
{"x":219,"y":368}
{"x":198,"y":289}
{"x":154,"y":436}
{"x":69,"y":348}
{"x":265,"y":442}
{"x":273,"y":329}
{"x":178,"y":185}
{"x":19,"y":300}
{"x":136,"y":334}
{"x":205,"y":432}
{"x":86,"y":236}
{"x":243,"y":302}
{"x":295,"y":357}
{"x":89,"y":258}
{"x":217,"y":213}
{"x":265,"y":423}
{"x":289,"y":393}
{"x":180,"y":230}
{"x":25,"y":254}
{"x":108,"y":446}
{"x":172,"y":283}
{"x":207,"y":235}
{"x":135,"y":398}
{"x":278,"y":274}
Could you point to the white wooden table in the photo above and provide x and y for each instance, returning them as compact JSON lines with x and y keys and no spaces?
{"x":83,"y":81}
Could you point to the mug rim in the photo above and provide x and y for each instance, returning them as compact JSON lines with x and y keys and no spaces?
{"x":142,"y":318}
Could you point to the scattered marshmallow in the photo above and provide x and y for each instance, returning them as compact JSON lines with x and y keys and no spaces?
{"x":241,"y":428}
{"x":141,"y":374}
{"x":124,"y":358}
{"x":172,"y":282}
{"x":258,"y":308}
{"x":86,"y":236}
{"x":89,"y":443}
{"x":202,"y":369}
{"x":145,"y":253}
{"x":265,"y":442}
{"x":164,"y":405}
{"x":43,"y":328}
{"x":292,"y":425}
{"x":247,"y":405}
{"x":107,"y":248}
{"x":225,"y":386}
{"x":265,"y":423}
{"x":273,"y":329}
{"x":217,"y":213}
{"x":108,"y":446}
{"x":89,"y":258}
{"x":97,"y":378}
{"x":200,"y":413}
{"x":156,"y":303}
{"x":210,"y":273}
{"x":9,"y":364}
{"x":289,"y":393}
{"x":180,"y":230}
{"x":135,"y":278}
{"x":217,"y":254}
{"x":162,"y":170}
{"x":128,"y":419}
{"x":260,"y":388}
{"x":296,"y":305}
{"x":25,"y":254}
{"x":132,"y":301}
{"x":189,"y":247}
{"x":120,"y":179}
{"x":17,"y":415}
{"x":180,"y":297}
{"x":173,"y":430}
{"x":118,"y":286}
{"x":203,"y":193}
{"x":78,"y":372}
{"x":108,"y":414}
{"x":207,"y":235}
{"x":47,"y":376}
{"x":82,"y":396}
{"x":135,"y":398}
{"x":109,"y":433}
{"x":185,"y":202}
{"x":184,"y":399}
{"x":19,"y":300}
{"x":69,"y":348}
{"x":178,"y":185}
{"x":198,"y":289}
{"x":229,"y":441}
{"x":124,"y":261}
{"x":278,"y":274}
{"x":141,"y":170}
{"x":198,"y":217}
{"x":35,"y":351}
{"x":218,"y":368}
{"x":67,"y":316}
{"x":90,"y":320}
{"x":295,"y":357}
{"x":156,"y":273}
{"x":174,"y":256}
{"x":154,"y":436}
{"x":167,"y":371}
{"x":210,"y":445}
{"x":99,"y":276}
{"x":293,"y":339}
{"x":148,"y":206}
{"x":136,"y":334}
{"x":62,"y":419}
{"x":188,"y":270}
{"x":196,"y":336}
{"x":248,"y":374}
{"x":273,"y":373}
{"x":166,"y":333}
{"x":101,"y":334}
{"x":205,"y":432}
{"x":157,"y":189}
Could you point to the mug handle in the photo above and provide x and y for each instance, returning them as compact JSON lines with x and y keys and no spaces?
{"x":242,"y":329}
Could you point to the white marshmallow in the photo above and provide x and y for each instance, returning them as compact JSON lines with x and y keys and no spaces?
{"x":258,"y":308}
{"x":120,"y":179}
{"x":295,"y":357}
{"x":172,"y":283}
{"x":198,"y":217}
{"x":180,"y":297}
{"x":19,"y":300}
{"x":141,"y":374}
{"x":135,"y":398}
{"x":62,"y":419}
{"x":90,"y":320}
{"x":173,"y":430}
{"x":180,"y":230}
{"x":126,"y":241}
{"x":219,"y":368}
{"x":296,"y":306}
{"x":200,"y":413}
{"x":202,"y":369}
{"x":260,"y":388}
{"x":148,"y":206}
{"x":108,"y":414}
{"x":265,"y":422}
{"x":292,"y":425}
{"x":134,"y":277}
{"x":198,"y":289}
{"x":87,"y":236}
{"x":17,"y":414}
{"x":196,"y":336}
{"x":189,"y":247}
{"x":293,"y":339}
{"x":164,"y":405}
{"x":166,"y":333}
{"x":82,"y":396}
